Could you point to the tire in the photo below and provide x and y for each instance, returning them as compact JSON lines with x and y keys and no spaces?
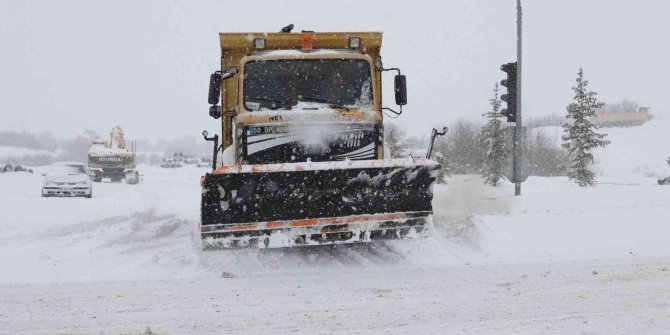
{"x":7,"y":168}
{"x":132,"y":178}
{"x":90,"y":195}
{"x":18,"y":168}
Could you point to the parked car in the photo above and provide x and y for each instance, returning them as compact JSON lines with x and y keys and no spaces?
{"x":190,"y":161}
{"x":8,"y":168}
{"x":170,"y":163}
{"x":67,"y":179}
{"x":205,"y":162}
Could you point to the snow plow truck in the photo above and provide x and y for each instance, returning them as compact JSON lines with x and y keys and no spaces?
{"x":303,"y":160}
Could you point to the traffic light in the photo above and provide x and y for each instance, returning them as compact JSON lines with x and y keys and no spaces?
{"x":510,"y":97}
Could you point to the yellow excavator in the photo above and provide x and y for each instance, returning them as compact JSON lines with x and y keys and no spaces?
{"x":303,"y":160}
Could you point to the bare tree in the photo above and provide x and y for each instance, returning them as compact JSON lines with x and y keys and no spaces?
{"x":395,"y":139}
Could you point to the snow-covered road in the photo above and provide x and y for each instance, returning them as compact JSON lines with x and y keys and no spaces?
{"x":624,"y":297}
{"x":559,"y":259}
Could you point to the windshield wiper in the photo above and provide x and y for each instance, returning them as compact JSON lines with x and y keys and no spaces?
{"x":331,"y":104}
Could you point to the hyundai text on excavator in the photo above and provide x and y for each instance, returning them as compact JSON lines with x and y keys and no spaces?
{"x":303,"y":158}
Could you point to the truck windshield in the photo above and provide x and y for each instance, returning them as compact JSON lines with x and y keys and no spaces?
{"x":275,"y":84}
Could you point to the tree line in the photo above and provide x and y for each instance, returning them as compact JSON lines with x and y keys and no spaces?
{"x":472,"y":147}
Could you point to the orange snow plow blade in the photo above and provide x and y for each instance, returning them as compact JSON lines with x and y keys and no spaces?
{"x":295,"y":204}
{"x":349,"y":229}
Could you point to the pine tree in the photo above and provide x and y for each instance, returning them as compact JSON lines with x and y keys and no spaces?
{"x":580,"y":135}
{"x":493,"y":142}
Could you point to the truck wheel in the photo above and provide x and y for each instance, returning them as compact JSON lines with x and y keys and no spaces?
{"x":132,"y":177}
{"x":7,"y":168}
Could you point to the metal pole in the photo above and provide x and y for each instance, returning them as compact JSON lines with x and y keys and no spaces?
{"x":517,"y":129}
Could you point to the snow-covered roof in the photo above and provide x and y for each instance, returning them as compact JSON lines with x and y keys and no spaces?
{"x":97,"y":150}
{"x":297,"y":52}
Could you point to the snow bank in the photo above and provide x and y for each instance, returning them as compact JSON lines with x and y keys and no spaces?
{"x":635,"y":151}
{"x":125,"y":232}
{"x":557,"y":221}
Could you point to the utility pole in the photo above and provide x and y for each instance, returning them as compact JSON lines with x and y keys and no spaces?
{"x":517,"y":129}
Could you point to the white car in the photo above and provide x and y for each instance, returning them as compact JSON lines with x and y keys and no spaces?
{"x":67,"y":179}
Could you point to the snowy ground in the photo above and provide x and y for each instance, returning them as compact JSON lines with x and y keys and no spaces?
{"x":558,"y":260}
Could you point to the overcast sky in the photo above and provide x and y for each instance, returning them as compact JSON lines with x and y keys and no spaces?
{"x":70,"y":65}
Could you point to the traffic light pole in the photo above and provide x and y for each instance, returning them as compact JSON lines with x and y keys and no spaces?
{"x":517,"y":129}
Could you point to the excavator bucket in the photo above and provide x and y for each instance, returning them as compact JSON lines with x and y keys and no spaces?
{"x":311,"y":203}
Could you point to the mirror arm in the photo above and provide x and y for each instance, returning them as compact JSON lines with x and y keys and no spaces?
{"x":394,"y":114}
{"x":215,"y":139}
{"x":434,"y":134}
{"x":390,"y":69}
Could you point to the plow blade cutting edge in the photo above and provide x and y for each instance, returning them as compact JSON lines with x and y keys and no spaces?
{"x":293,"y":204}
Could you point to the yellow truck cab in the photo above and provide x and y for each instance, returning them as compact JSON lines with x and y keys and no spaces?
{"x":281,"y":81}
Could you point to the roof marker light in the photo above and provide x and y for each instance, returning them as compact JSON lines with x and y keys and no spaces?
{"x":354,"y":42}
{"x":307,"y":42}
{"x":259,"y":43}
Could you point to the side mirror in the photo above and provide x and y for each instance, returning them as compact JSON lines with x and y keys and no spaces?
{"x":214,"y":88}
{"x":400,"y":90}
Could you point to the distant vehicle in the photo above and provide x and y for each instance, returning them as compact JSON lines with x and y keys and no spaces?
{"x":205,"y":162}
{"x":111,"y":159}
{"x":169,"y":163}
{"x":623,"y":119}
{"x":178,"y":157}
{"x":665,"y":181}
{"x":65,"y":179}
